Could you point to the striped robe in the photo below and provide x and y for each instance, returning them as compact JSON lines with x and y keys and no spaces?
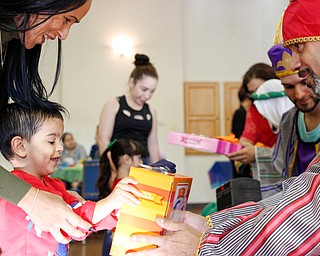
{"x":287,"y":223}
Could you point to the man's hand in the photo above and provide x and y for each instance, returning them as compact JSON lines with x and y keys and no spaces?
{"x":179,"y":239}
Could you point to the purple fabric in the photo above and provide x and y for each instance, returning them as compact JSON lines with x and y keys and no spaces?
{"x":306,"y":152}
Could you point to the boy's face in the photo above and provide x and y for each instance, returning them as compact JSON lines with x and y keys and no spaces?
{"x":44,"y":149}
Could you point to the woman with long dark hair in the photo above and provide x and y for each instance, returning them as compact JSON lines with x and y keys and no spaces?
{"x":25,"y":25}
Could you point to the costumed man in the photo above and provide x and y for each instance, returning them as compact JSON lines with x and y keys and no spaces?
{"x":287,"y":226}
{"x":299,"y":136}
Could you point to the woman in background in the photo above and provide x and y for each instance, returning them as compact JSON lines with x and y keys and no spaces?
{"x":129,"y":116}
{"x":72,"y":152}
{"x":257,"y":128}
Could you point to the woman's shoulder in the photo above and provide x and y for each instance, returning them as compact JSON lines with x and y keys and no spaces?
{"x":112,"y":103}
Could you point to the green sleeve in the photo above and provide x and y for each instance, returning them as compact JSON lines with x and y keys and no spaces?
{"x":12,"y":188}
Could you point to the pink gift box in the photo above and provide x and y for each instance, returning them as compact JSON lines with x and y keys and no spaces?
{"x":202,"y":143}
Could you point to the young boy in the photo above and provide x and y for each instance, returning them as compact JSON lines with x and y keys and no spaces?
{"x":30,"y":140}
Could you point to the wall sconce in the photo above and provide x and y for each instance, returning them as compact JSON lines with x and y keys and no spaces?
{"x":122,"y":46}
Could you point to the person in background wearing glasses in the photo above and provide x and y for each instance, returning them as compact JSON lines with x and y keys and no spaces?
{"x":257,"y":128}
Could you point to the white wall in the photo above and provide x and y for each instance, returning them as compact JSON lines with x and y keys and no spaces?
{"x":187,"y":40}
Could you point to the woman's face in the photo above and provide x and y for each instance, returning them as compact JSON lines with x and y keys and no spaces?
{"x":56,"y":26}
{"x":69,"y":142}
{"x":143,"y":89}
{"x":254,"y":84}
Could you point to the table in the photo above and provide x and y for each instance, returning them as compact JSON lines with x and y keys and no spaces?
{"x":69,"y":174}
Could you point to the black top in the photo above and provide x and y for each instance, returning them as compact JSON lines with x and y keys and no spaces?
{"x":133,"y":124}
{"x":238,"y":121}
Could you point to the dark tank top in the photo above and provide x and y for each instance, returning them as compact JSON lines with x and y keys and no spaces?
{"x":133,"y":124}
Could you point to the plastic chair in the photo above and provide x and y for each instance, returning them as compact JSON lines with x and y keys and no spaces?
{"x":220,"y":173}
{"x":89,"y":179}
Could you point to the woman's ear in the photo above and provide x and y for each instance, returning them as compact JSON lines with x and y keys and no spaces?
{"x":131,"y":83}
{"x":18,"y":146}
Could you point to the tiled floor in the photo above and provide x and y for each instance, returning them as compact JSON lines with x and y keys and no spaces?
{"x":93,"y":246}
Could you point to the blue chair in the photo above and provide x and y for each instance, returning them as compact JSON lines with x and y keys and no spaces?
{"x":91,"y":171}
{"x":220,"y":173}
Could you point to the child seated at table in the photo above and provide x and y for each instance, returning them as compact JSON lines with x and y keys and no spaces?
{"x":30,"y":140}
{"x":115,"y":163}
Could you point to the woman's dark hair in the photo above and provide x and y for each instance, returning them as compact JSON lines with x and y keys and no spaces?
{"x":261,"y":71}
{"x":117,"y":149}
{"x":143,"y":68}
{"x":242,"y":95}
{"x":63,"y":137}
{"x":19,"y":75}
{"x":12,"y":8}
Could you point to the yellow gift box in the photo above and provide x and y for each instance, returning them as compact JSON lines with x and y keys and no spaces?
{"x":165,"y":195}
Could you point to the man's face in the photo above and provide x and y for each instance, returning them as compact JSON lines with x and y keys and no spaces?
{"x":306,"y":55}
{"x":306,"y":59}
{"x":301,"y":95}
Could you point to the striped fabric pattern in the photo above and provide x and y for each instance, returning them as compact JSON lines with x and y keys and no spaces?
{"x":287,"y":224}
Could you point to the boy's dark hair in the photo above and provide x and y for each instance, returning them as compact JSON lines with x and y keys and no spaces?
{"x":19,"y":120}
{"x":117,"y":149}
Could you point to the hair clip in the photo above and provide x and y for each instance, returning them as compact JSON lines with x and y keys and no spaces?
{"x":111,"y":144}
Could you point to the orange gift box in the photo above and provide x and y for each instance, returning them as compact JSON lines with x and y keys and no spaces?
{"x":165,"y":195}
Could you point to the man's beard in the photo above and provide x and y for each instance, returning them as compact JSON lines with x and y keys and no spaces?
{"x":316,"y":87}
{"x":313,"y":82}
{"x":315,"y":99}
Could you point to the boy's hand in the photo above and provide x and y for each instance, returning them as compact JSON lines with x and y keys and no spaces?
{"x":125,"y":192}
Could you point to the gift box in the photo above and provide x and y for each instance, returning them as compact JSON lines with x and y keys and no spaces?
{"x":165,"y":195}
{"x":198,"y":142}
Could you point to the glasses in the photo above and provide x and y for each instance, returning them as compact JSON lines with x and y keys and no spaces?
{"x":308,"y":75}
{"x":311,"y":80}
{"x":304,"y":73}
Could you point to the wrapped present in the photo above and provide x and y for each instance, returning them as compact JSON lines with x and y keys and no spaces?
{"x":220,"y":145}
{"x":165,"y":195}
